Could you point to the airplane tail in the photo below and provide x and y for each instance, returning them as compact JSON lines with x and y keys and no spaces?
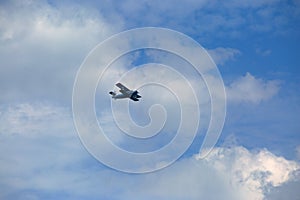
{"x":135,"y":96}
{"x":112,"y":93}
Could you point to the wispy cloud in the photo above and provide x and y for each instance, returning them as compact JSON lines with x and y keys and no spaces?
{"x":221,"y":55}
{"x":261,"y":52}
{"x":252,"y":90}
{"x":206,"y":18}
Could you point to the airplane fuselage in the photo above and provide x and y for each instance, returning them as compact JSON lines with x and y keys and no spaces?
{"x":125,"y":93}
{"x":121,"y":96}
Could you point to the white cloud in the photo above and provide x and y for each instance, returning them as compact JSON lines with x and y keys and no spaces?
{"x":209,"y":18}
{"x":249,"y":89}
{"x":40,"y":153}
{"x":31,"y":119}
{"x":221,"y":55}
{"x":254,"y":172}
{"x":251,"y":4}
{"x":39,"y":20}
{"x":47,"y":164}
{"x":42,"y":47}
{"x":261,"y":52}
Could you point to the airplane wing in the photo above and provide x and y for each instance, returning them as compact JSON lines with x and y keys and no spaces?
{"x":122,"y":88}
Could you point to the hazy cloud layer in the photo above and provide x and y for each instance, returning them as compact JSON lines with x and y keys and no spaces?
{"x":42,"y":47}
{"x":46,"y":159}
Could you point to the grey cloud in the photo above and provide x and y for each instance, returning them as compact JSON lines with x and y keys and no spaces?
{"x":289,"y":190}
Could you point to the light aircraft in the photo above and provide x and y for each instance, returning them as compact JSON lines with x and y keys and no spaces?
{"x":125,"y":93}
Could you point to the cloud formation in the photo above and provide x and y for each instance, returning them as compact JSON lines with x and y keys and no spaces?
{"x":221,"y":55}
{"x":249,"y":89}
{"x":47,"y":159}
{"x":42,"y":46}
{"x":220,"y":19}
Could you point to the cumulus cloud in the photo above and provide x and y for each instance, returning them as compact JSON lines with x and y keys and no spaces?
{"x":249,"y":89}
{"x":46,"y":164}
{"x":254,"y":172}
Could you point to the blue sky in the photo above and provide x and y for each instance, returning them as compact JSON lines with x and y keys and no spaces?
{"x":255,"y":45}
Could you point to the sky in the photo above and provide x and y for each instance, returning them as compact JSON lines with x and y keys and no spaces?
{"x":254,"y":46}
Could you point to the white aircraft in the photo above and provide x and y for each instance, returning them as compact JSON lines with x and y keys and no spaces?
{"x":125,"y":93}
